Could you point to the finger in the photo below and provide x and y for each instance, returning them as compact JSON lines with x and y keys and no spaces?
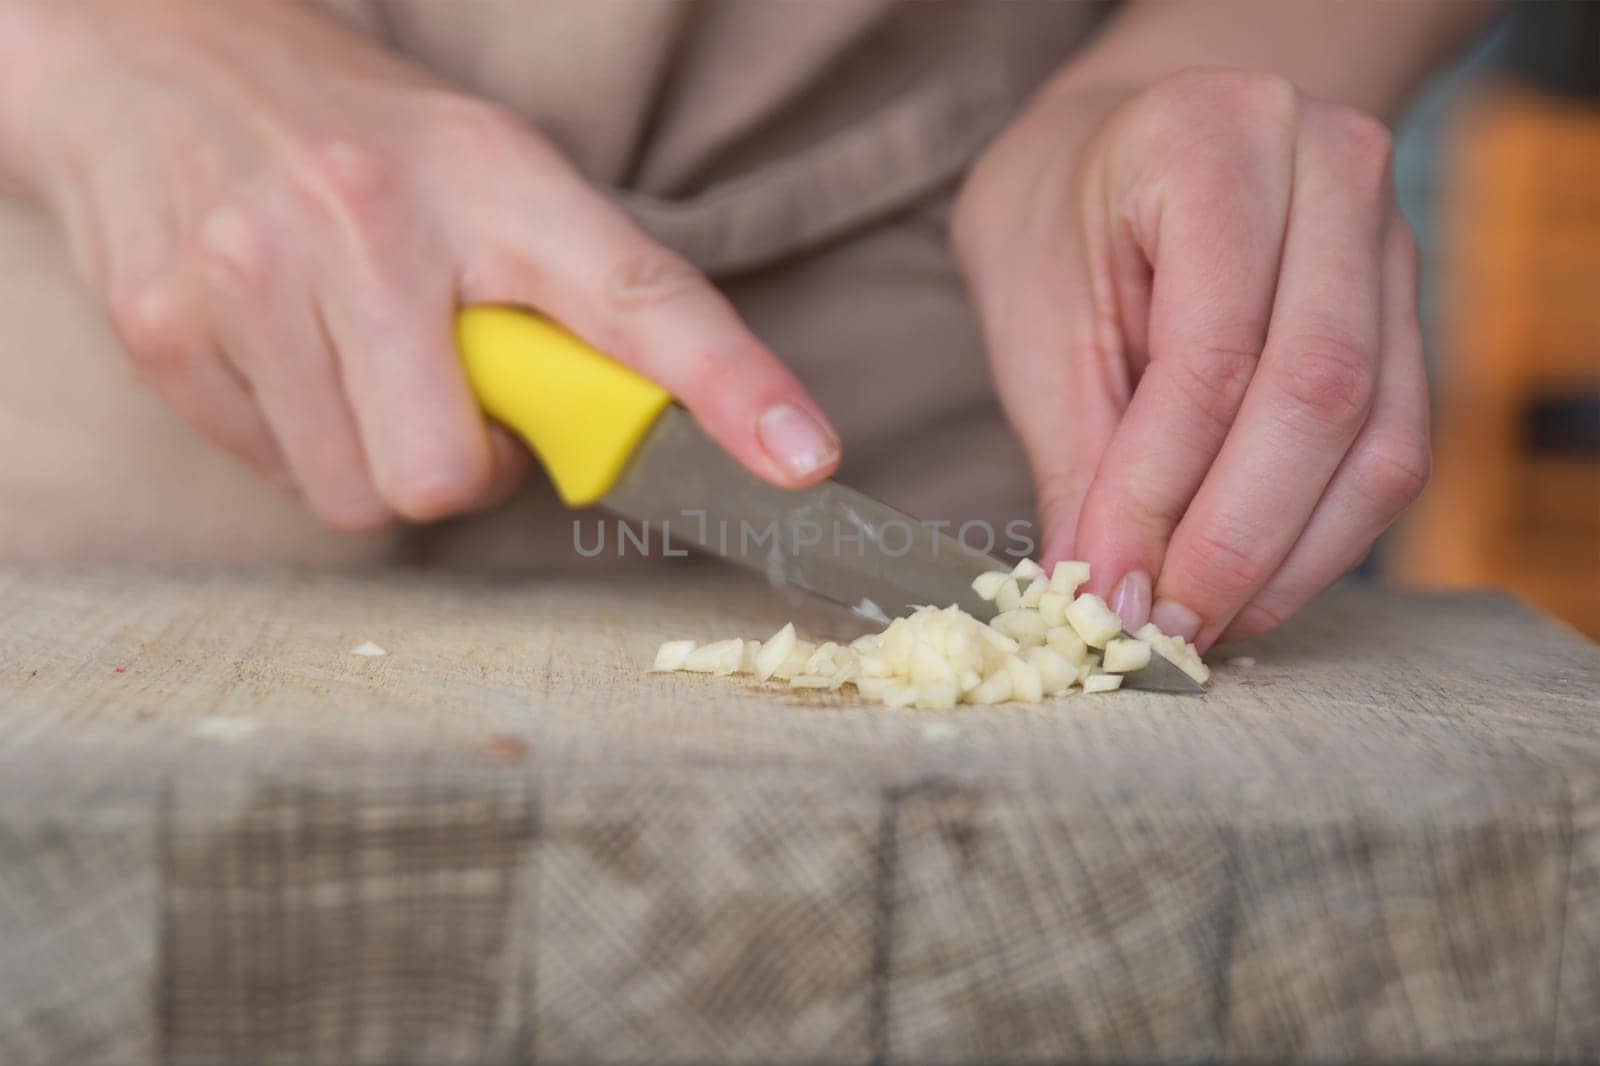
{"x":509,"y":463}
{"x":425,"y":436}
{"x":164,"y":330}
{"x":1215,"y":243}
{"x":1050,"y":326}
{"x":386,"y":298}
{"x":591,"y":269}
{"x":1385,"y":470}
{"x":270,"y":334}
{"x":1311,"y":393}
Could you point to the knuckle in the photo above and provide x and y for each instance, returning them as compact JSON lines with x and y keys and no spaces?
{"x":152,"y":323}
{"x":711,"y":372}
{"x":1214,"y":378}
{"x":1395,"y":472}
{"x":351,"y":180}
{"x":1223,"y":566}
{"x":231,"y":247}
{"x":1241,"y":99}
{"x":649,"y":277}
{"x":1363,"y":143}
{"x":1328,"y":379}
{"x":441,"y":485}
{"x":465,"y":127}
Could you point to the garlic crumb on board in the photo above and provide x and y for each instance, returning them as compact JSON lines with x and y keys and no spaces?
{"x":367,"y":647}
{"x":1047,"y":641}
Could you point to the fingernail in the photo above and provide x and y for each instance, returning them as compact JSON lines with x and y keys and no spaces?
{"x":1174,"y":619}
{"x":1131,"y":599}
{"x":796,"y":441}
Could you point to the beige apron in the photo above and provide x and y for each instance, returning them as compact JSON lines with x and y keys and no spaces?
{"x":802,"y":152}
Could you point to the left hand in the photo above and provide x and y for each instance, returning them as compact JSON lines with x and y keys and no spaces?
{"x":1200,"y":302}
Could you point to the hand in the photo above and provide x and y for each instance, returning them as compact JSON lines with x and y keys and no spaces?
{"x":1200,"y":303}
{"x":284,"y":219}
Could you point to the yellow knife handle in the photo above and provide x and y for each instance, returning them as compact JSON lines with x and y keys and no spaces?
{"x":583,"y":414}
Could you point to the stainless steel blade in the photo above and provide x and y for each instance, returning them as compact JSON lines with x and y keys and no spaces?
{"x":1162,"y":675}
{"x":829,"y":540}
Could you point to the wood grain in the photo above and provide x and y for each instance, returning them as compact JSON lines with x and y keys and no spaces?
{"x":505,"y":841}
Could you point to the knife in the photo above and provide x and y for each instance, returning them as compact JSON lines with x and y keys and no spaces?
{"x":610,"y":437}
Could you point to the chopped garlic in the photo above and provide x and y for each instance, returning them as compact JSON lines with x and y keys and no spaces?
{"x":366,"y":647}
{"x":1009,"y":598}
{"x":1126,"y":656}
{"x":1027,"y":570}
{"x":1022,"y":625}
{"x":1177,"y":651}
{"x":1056,"y":673}
{"x":1067,"y":576}
{"x":720,"y":657}
{"x":775,"y":651}
{"x":1041,"y":646}
{"x":673,"y":654}
{"x":995,"y":689}
{"x":987,"y":586}
{"x":1026,"y":685}
{"x":1093,"y":620}
{"x":1053,"y":608}
{"x":900,"y":695}
{"x":1065,"y":640}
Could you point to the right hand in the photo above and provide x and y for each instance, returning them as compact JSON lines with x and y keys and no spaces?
{"x":284,"y":218}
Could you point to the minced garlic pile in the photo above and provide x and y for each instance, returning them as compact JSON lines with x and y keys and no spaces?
{"x":1046,"y":640}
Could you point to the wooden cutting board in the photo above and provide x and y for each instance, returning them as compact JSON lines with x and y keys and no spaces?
{"x":225,"y":837}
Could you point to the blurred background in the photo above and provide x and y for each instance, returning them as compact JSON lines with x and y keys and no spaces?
{"x":1498,"y":166}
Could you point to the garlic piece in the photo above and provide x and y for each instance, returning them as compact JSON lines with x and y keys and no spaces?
{"x":367,"y":647}
{"x":1177,"y":651}
{"x":1053,"y":608}
{"x":928,"y":667}
{"x":1035,"y":591}
{"x":1093,"y":620}
{"x":720,"y":657}
{"x":1022,"y":625}
{"x":987,"y":586}
{"x":1126,"y":656}
{"x":1009,"y":598}
{"x":1056,"y":673}
{"x":1065,"y":640}
{"x":672,"y":655}
{"x":994,"y":689}
{"x":798,"y":656}
{"x":1102,"y":683}
{"x":1026,"y":685}
{"x":1067,"y":576}
{"x":1027,"y":570}
{"x":775,"y":651}
{"x":900,"y":694}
